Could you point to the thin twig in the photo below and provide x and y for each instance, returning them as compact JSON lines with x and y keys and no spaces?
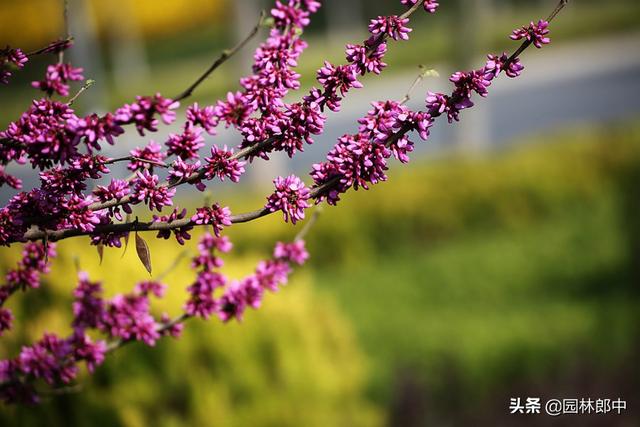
{"x":50,"y":47}
{"x":310,"y":223}
{"x":413,"y":8}
{"x":424,"y":72}
{"x":137,"y":159}
{"x":561,"y":5}
{"x":173,"y":265}
{"x":65,"y":14}
{"x":84,"y":87}
{"x":557,"y":10}
{"x":224,"y":56}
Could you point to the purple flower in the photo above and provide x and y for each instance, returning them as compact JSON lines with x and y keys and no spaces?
{"x":291,"y":197}
{"x":302,"y":121}
{"x":169,"y":328}
{"x":359,"y":161}
{"x":201,"y":302}
{"x":88,"y":305}
{"x":339,"y":78}
{"x":429,"y":5}
{"x":209,"y":243}
{"x":181,"y":233}
{"x":146,"y":189}
{"x":142,"y":112}
{"x":9,"y":180}
{"x":534,"y":33}
{"x":252,"y":291}
{"x":466,"y":82}
{"x":56,"y":79}
{"x":291,"y":252}
{"x":514,"y":68}
{"x":234,"y":110}
{"x":381,"y":123}
{"x":41,"y":131}
{"x":221,"y":165}
{"x":206,"y":259}
{"x":390,"y":26}
{"x":78,"y":216}
{"x":288,"y":15}
{"x":110,"y":239}
{"x":186,"y":144}
{"x":203,"y":117}
{"x":181,"y":171}
{"x":14,"y":57}
{"x":272,"y":273}
{"x":128,"y":317}
{"x":337,"y":81}
{"x":49,"y":359}
{"x":496,"y":64}
{"x":92,"y":353}
{"x":94,"y":128}
{"x":151,"y":153}
{"x":323,"y":173}
{"x":6,"y":320}
{"x":438,"y":103}
{"x":116,"y":190}
{"x":151,"y":287}
{"x":367,"y":58}
{"x":216,"y":216}
{"x":233,"y":302}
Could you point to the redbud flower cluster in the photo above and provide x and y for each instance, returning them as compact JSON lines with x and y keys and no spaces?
{"x":64,"y":148}
{"x":10,"y":58}
{"x":128,"y":317}
{"x":35,"y":261}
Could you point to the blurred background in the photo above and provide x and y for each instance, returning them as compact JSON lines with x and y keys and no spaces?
{"x":503,"y":261}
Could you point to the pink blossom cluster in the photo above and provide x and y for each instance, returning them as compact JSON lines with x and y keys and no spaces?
{"x":535,"y":33}
{"x":237,"y":295}
{"x":64,"y":149}
{"x":429,"y":5}
{"x":57,"y":78}
{"x":35,"y":261}
{"x":128,"y":317}
{"x":54,"y":139}
{"x":361,"y":159}
{"x":291,"y":197}
{"x":10,"y":58}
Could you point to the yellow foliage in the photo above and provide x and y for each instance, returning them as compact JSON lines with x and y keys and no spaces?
{"x":294,"y":359}
{"x":33,"y":23}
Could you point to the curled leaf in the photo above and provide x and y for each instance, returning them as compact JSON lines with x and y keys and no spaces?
{"x":100,"y":249}
{"x":126,"y":244}
{"x":143,"y":252}
{"x":126,"y":237}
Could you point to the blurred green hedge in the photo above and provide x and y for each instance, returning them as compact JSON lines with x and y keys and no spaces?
{"x":462,"y":277}
{"x":294,"y":359}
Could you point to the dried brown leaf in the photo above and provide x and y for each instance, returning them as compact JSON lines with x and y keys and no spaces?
{"x":143,"y":252}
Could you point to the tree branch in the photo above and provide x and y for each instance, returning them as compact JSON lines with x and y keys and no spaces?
{"x":37,"y":234}
{"x":224,"y":56}
{"x":244,"y":154}
{"x":65,"y":15}
{"x":424,"y":72}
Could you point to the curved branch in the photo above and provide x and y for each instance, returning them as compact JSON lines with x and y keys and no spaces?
{"x":244,"y":154}
{"x":224,"y":56}
{"x":316,"y":192}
